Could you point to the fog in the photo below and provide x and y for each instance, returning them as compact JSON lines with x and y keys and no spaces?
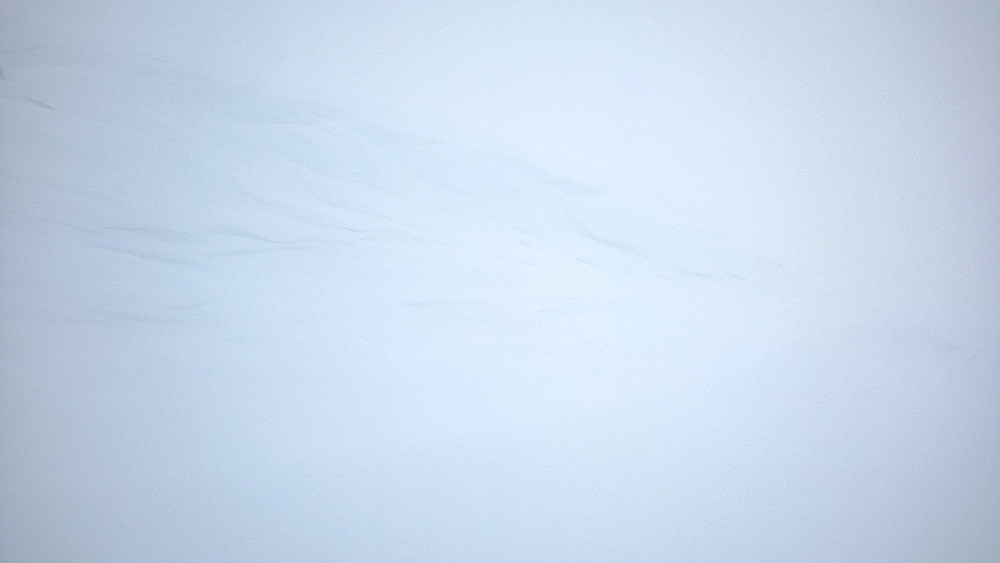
{"x":499,"y":281}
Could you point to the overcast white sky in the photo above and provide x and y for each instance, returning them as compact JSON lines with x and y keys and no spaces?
{"x":857,"y":138}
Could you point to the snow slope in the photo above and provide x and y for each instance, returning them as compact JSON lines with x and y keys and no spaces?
{"x":236,"y":327}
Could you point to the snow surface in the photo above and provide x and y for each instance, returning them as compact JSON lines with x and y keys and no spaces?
{"x":235,"y":327}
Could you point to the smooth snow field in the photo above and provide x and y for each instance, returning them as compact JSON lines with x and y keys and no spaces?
{"x":240,"y":327}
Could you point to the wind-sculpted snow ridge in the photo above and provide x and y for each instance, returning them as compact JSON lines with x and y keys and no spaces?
{"x":140,"y":175}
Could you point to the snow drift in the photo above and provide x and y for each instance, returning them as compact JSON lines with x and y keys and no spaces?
{"x":240,"y":327}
